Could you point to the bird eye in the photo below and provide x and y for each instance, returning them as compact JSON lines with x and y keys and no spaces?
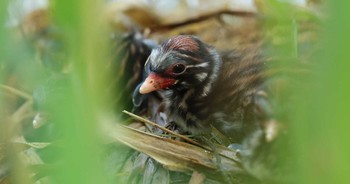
{"x":179,"y":69}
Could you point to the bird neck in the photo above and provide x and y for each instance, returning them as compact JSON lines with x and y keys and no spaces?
{"x":215,"y":66}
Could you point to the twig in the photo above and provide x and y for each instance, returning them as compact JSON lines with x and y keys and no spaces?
{"x":202,"y":18}
{"x":16,"y":92}
{"x":162,"y":128}
{"x":176,"y":134}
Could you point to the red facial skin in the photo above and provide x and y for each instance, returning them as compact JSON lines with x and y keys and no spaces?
{"x":155,"y":82}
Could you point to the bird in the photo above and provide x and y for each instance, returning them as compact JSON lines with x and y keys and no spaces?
{"x":203,"y":88}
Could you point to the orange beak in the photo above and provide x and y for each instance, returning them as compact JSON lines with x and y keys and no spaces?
{"x":155,"y":82}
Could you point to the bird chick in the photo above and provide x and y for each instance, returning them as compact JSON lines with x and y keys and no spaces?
{"x":203,"y":89}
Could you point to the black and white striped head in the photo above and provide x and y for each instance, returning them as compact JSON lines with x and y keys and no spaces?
{"x":181,"y":63}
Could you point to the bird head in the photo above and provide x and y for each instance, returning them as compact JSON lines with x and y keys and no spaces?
{"x":180,"y":63}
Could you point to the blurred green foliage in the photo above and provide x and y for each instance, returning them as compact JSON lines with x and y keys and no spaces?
{"x":320,"y":116}
{"x":82,"y":150}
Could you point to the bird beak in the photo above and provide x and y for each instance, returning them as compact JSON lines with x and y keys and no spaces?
{"x":155,"y":82}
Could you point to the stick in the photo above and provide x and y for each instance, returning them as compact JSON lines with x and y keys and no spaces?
{"x":16,"y":92}
{"x":162,"y":128}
